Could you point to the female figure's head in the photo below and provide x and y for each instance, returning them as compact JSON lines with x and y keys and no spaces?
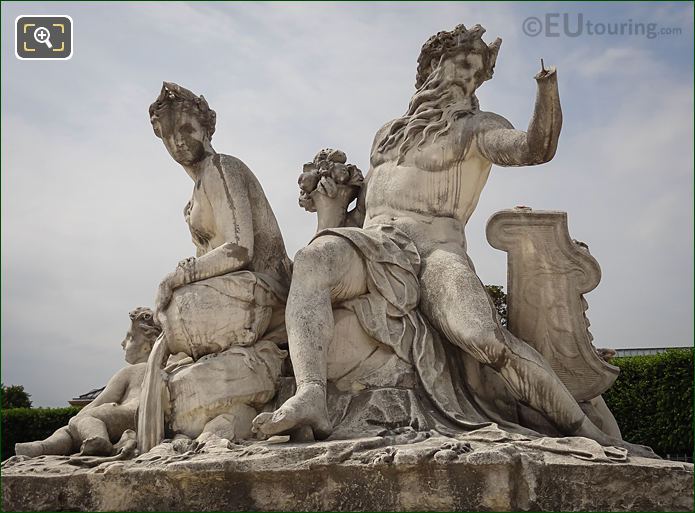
{"x":184,"y":122}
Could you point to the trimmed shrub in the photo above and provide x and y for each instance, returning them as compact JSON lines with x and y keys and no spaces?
{"x":29,"y":424}
{"x":652,"y":400}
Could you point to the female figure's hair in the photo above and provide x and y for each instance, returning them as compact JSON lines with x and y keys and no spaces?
{"x":175,"y":95}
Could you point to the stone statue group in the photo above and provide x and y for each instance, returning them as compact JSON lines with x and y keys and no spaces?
{"x":380,"y":323}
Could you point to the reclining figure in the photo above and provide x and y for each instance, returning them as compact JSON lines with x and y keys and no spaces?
{"x":102,"y":423}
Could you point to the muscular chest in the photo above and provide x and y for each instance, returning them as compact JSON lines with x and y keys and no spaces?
{"x":443,"y":176}
{"x":437,"y":152}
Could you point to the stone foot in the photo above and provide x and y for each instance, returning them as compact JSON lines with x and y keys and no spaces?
{"x":306,"y":408}
{"x":589,"y":430}
{"x":637,"y":450}
{"x":235,"y":425}
{"x":96,"y":446}
{"x":31,"y":449}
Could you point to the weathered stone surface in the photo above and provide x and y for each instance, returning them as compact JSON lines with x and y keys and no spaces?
{"x":547,"y":274}
{"x":398,"y":261}
{"x":407,"y":472}
{"x":223,"y":308}
{"x":111,"y":415}
{"x":219,"y":383}
{"x":399,"y":360}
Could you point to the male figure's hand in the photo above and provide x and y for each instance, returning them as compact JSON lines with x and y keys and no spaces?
{"x":546,"y":75}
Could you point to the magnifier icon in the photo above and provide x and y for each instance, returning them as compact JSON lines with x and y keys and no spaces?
{"x":42,"y":35}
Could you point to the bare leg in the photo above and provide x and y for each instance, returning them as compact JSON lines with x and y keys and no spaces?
{"x":98,"y":427}
{"x":59,"y":443}
{"x":597,"y":410}
{"x":327,"y":270}
{"x":94,"y":434}
{"x":455,"y":302}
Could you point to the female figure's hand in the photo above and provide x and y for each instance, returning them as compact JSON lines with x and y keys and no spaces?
{"x":187,"y":266}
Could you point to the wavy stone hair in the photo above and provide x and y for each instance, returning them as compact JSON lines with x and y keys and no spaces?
{"x":173,"y":94}
{"x":144,"y":317}
{"x":431,"y":109}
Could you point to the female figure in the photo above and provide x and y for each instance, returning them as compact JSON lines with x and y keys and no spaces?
{"x":232,"y":225}
{"x":228,"y":297}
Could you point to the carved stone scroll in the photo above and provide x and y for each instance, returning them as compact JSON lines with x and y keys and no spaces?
{"x":547,"y":275}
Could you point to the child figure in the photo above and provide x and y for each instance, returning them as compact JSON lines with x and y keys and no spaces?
{"x":101,"y":423}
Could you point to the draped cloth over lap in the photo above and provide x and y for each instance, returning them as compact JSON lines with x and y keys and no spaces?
{"x":229,"y":325}
{"x":234,"y":309}
{"x":451,"y":379}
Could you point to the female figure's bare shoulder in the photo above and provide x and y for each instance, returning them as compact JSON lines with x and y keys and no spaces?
{"x":227,"y":175}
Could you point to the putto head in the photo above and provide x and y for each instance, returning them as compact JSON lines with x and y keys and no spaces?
{"x":459,"y":40}
{"x":141,"y":336}
{"x":173,"y":96}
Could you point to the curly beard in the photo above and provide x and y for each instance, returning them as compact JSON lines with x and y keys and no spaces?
{"x":431,"y":112}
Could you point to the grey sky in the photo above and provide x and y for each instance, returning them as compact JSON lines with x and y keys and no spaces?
{"x":92,"y":203}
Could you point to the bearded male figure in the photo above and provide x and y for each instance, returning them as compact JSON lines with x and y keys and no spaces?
{"x":428,"y":169}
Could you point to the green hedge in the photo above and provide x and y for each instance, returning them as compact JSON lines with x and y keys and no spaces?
{"x":29,"y":424}
{"x":652,"y":400}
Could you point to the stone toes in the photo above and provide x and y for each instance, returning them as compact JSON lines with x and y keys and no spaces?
{"x":96,"y":446}
{"x":260,"y":420}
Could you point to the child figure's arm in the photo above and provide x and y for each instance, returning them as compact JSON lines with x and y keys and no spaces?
{"x":114,"y":391}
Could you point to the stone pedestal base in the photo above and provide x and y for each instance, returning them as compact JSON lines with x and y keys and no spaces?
{"x":407,"y":472}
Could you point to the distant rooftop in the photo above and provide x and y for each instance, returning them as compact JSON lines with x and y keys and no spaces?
{"x":85,"y":399}
{"x":646,"y":350}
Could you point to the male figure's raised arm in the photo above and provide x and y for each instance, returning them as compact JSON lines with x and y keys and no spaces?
{"x":501,"y":144}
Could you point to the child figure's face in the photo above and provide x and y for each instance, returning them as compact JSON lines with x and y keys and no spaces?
{"x":138,"y":341}
{"x":136,"y":351}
